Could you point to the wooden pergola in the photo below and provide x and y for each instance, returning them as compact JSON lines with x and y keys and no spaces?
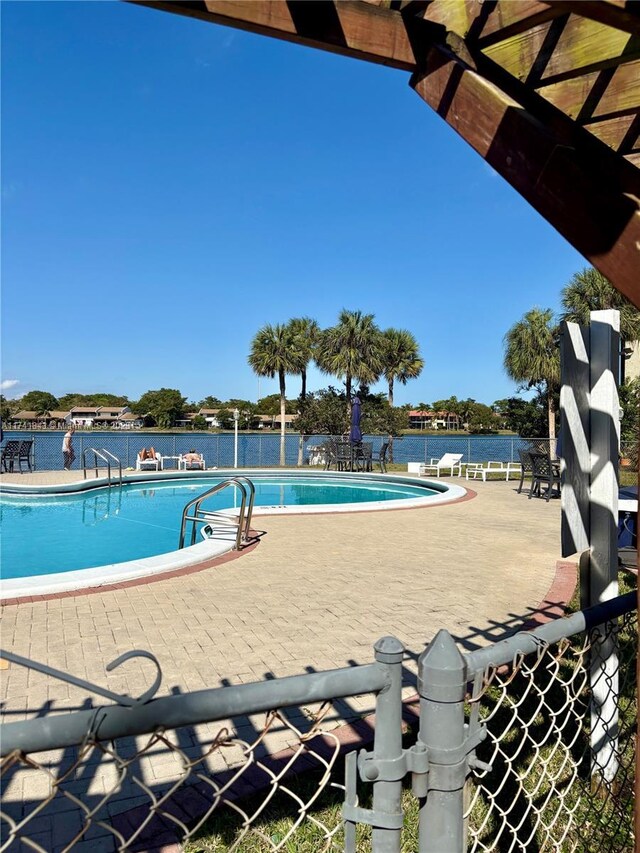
{"x":546,"y":91}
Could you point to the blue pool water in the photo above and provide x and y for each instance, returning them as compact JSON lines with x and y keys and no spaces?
{"x":45,"y":535}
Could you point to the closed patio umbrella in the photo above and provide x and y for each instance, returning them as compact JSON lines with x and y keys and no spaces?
{"x":356,"y":433}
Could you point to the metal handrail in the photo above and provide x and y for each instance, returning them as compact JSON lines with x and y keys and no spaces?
{"x":117,"y":460}
{"x":106,"y":457}
{"x":196,"y":503}
{"x":252,"y":498}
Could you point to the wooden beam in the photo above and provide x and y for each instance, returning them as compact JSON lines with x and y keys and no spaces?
{"x":567,"y":47}
{"x":487,"y":22}
{"x":613,"y":131}
{"x":621,"y":14}
{"x":348,"y":27}
{"x":586,"y":191}
{"x":599,"y":95}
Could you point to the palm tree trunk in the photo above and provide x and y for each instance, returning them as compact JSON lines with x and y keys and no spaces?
{"x":551,"y":413}
{"x":283,"y":407}
{"x":347,"y":385}
{"x":390,"y":448}
{"x":302,"y":439}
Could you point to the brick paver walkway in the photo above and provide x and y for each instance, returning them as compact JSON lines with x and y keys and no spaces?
{"x":315,"y":594}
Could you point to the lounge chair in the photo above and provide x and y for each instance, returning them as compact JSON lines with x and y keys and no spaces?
{"x":153,"y":463}
{"x":450,"y":461}
{"x":478,"y":469}
{"x":185,"y":465}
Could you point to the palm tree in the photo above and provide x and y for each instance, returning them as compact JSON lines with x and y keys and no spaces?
{"x":273,"y":351}
{"x":352,"y":349}
{"x":402,"y":361}
{"x":532,"y":357}
{"x":305,"y":332}
{"x":589,"y":291}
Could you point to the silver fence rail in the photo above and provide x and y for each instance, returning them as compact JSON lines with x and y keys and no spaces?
{"x":503,"y":758}
{"x":263,"y":450}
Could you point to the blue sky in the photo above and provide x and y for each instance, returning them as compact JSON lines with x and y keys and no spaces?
{"x":169,"y":186}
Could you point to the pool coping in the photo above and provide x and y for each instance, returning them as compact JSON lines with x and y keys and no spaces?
{"x":202,"y":554}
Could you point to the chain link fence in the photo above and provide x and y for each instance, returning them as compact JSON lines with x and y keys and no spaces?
{"x":518,"y":746}
{"x":550,"y":786}
{"x":263,"y":450}
{"x":109,"y":795}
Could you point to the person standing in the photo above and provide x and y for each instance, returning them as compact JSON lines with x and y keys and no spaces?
{"x":68,"y":454}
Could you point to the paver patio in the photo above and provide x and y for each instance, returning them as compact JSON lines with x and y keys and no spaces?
{"x":315,"y":594}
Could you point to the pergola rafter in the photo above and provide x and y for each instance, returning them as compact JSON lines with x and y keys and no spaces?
{"x":546,"y":91}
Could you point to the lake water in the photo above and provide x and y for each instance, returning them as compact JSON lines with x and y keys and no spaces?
{"x":257,"y":450}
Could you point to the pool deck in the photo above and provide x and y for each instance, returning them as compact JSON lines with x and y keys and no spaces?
{"x":315,"y":594}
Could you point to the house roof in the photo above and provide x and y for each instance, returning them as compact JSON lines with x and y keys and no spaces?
{"x":421,"y":413}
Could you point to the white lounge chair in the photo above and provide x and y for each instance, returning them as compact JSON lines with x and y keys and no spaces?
{"x":153,"y":464}
{"x":184,"y":465}
{"x":475,"y":470}
{"x":450,"y":462}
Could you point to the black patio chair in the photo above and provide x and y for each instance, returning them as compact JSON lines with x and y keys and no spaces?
{"x":363,"y":456}
{"x":9,"y":455}
{"x":344,"y":456}
{"x":24,"y":454}
{"x":382,"y":457}
{"x":526,"y":467}
{"x":543,"y":471}
{"x":331,"y":455}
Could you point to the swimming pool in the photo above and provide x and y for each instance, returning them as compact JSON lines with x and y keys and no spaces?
{"x":130,"y":531}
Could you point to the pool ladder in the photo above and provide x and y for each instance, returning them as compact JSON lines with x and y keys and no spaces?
{"x":224,"y":521}
{"x":107,"y":458}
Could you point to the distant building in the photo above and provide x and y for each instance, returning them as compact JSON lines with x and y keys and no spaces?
{"x":44,"y":420}
{"x":423,"y":419}
{"x":210,"y":416}
{"x":99,"y":416}
{"x":128,"y":420}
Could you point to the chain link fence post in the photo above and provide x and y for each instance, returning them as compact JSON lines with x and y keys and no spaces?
{"x":441,"y":685}
{"x":387,"y":795}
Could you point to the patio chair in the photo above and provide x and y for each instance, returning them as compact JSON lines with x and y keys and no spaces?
{"x":9,"y":455}
{"x":543,"y":471}
{"x":330,"y":456}
{"x":363,"y":456}
{"x":525,"y":462}
{"x":344,"y":457}
{"x":382,"y":457}
{"x":24,"y":454}
{"x":450,"y":461}
{"x":149,"y":463}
